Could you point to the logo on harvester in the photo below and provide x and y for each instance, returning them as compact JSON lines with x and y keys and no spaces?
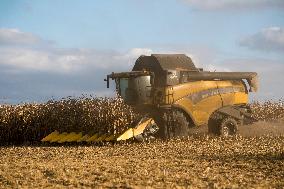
{"x":198,"y":96}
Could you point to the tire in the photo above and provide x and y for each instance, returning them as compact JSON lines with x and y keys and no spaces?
{"x":228,"y":127}
{"x":176,"y":124}
{"x":222,"y":125}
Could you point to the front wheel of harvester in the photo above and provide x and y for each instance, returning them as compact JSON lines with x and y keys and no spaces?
{"x":228,"y":127}
{"x":176,"y":124}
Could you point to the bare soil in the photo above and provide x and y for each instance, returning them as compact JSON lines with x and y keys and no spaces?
{"x":199,"y":161}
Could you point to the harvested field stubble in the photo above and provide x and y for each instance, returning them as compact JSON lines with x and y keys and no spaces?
{"x":198,"y":162}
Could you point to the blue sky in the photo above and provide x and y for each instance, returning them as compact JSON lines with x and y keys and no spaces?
{"x":52,"y":48}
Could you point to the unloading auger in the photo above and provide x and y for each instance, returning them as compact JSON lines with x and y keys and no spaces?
{"x":174,"y":96}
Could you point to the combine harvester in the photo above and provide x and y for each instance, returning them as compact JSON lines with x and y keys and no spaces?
{"x":174,"y":96}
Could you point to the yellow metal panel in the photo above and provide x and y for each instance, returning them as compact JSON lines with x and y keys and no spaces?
{"x":54,"y":137}
{"x":92,"y":138}
{"x":241,"y":98}
{"x":186,"y":105}
{"x":101,"y":138}
{"x":227,"y":98}
{"x":201,"y":98}
{"x":139,"y":129}
{"x":50,"y":136}
{"x":75,"y":137}
{"x":126,"y":135}
{"x":224,"y":83}
{"x":200,"y":110}
{"x":110,"y":138}
{"x":63,"y":139}
{"x":70,"y":137}
{"x":205,"y":107}
{"x":83,"y":138}
{"x":58,"y":137}
{"x":200,"y":116}
{"x":238,"y":96}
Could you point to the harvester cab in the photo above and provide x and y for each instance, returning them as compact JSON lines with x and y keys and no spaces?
{"x":134,"y":87}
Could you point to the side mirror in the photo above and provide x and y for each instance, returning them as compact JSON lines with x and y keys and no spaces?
{"x":107,"y":80}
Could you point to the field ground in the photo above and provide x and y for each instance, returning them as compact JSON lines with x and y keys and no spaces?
{"x":252,"y":160}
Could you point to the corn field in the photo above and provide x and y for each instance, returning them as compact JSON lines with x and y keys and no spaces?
{"x":268,"y":111}
{"x":31,"y":122}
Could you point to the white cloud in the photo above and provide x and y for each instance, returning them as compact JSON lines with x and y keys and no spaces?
{"x":16,"y":37}
{"x":136,"y":52}
{"x":20,"y":51}
{"x":38,"y":75}
{"x":268,"y":39}
{"x":29,"y":73}
{"x":66,"y":60}
{"x":31,"y":69}
{"x":235,"y":4}
{"x":129,"y":57}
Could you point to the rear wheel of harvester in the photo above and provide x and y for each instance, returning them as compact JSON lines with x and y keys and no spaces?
{"x":222,"y":125}
{"x":175,"y":124}
{"x":228,"y":127}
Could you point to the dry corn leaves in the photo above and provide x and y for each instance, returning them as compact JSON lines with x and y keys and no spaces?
{"x":268,"y":111}
{"x":194,"y":162}
{"x":30,"y":122}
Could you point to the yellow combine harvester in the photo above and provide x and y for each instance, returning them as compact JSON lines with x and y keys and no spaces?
{"x":174,"y":96}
